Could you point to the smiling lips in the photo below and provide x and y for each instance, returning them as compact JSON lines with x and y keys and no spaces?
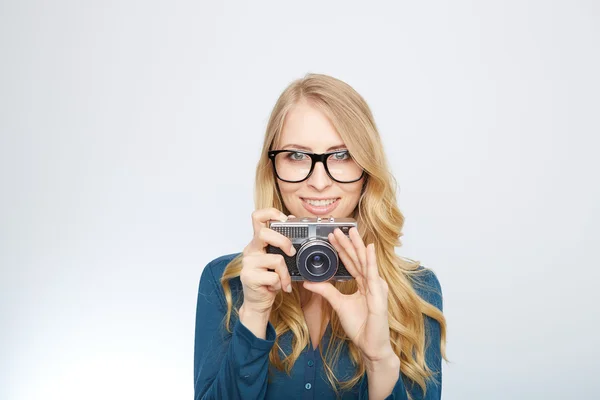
{"x":320,"y":206}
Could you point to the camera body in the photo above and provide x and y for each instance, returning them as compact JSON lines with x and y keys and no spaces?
{"x":316,"y":259}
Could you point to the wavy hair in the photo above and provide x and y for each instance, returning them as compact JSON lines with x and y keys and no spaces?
{"x":379,"y":221}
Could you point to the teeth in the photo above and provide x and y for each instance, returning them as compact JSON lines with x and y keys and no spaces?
{"x":320,"y":203}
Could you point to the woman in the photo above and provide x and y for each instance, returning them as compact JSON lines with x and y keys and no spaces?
{"x":380,"y":335}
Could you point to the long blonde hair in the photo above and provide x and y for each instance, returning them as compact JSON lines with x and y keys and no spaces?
{"x":379,"y":221}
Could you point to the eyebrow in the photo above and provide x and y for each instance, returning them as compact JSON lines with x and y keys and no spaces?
{"x":299,"y":147}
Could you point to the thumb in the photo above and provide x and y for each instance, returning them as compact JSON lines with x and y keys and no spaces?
{"x":327,"y":290}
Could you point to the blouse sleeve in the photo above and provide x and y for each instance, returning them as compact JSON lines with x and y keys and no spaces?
{"x":433,"y":355}
{"x":226,"y":365}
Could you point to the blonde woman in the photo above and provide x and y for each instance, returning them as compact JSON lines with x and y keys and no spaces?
{"x":380,"y":335}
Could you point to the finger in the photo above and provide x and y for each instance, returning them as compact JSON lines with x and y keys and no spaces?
{"x":327,"y":290}
{"x":261,"y":216}
{"x":348,"y":248}
{"x":359,"y":246}
{"x":271,"y":263}
{"x":347,"y":262}
{"x":284,"y":274}
{"x":372,"y":268}
{"x":267,"y":278}
{"x":255,"y":278}
{"x":269,"y":236}
{"x":259,"y":221}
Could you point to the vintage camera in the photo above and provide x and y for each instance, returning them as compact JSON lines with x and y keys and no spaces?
{"x":316,"y":259}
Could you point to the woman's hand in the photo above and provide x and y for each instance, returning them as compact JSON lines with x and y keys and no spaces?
{"x":263,"y":275}
{"x":364,"y":314}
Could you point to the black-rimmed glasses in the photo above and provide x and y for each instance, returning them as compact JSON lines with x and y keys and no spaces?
{"x":296,"y":166}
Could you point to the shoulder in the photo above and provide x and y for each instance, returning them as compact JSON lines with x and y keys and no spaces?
{"x":210,"y":279}
{"x":427,"y":286}
{"x":216,"y":267}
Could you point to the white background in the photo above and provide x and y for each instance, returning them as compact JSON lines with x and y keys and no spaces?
{"x":130,"y":131}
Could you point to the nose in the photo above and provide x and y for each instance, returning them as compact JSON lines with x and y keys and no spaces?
{"x":319,"y":178}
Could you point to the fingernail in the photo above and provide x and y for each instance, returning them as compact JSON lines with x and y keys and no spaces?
{"x":289,"y":288}
{"x":293,"y":251}
{"x":283,"y":218}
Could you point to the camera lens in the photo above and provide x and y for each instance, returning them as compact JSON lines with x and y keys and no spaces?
{"x":317,"y":264}
{"x":317,"y":260}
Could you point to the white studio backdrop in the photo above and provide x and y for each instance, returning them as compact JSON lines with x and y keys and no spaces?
{"x":130,"y":130}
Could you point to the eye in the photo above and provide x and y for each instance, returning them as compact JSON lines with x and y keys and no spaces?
{"x":341,"y":156}
{"x":295,"y":156}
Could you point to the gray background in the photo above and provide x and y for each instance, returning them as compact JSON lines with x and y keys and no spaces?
{"x":129,"y":136}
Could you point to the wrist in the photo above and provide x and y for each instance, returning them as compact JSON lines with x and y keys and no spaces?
{"x":249,"y":311}
{"x":255,"y":321}
{"x":382,"y":375}
{"x":390,"y":362}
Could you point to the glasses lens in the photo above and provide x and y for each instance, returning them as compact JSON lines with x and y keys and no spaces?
{"x":343,"y":168}
{"x":295,"y":166}
{"x":292,"y":166}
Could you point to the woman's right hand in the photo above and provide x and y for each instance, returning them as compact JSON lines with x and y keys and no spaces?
{"x":263,"y":274}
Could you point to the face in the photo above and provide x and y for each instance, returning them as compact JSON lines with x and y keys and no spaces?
{"x":308,"y":129}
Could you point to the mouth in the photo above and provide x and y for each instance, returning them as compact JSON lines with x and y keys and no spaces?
{"x":320,"y":206}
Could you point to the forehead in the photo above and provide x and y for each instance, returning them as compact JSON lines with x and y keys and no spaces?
{"x":308,"y":127}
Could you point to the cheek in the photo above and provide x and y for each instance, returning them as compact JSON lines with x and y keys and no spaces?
{"x":287,"y":189}
{"x":289,"y":196}
{"x":352,"y":195}
{"x":353,"y":192}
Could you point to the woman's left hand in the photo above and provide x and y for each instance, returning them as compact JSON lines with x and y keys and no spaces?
{"x":364,"y":314}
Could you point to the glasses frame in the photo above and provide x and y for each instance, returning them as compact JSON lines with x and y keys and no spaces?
{"x":315,"y":158}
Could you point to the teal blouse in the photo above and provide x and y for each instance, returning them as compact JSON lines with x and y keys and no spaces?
{"x":236,"y":365}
